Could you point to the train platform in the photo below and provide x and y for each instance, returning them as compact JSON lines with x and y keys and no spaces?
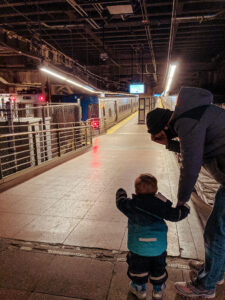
{"x":74,"y":203}
{"x":62,"y":237}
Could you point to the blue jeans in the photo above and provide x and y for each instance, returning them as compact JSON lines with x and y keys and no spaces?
{"x":214,"y":238}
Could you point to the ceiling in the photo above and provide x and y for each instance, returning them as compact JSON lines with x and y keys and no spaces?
{"x":140,"y":38}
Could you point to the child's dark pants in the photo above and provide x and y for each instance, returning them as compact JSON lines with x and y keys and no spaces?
{"x":142,"y":268}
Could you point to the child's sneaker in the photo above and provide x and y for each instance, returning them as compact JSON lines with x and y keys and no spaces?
{"x":138,"y":290}
{"x":158,"y":294}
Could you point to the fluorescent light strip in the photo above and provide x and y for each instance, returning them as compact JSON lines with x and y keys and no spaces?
{"x":54,"y":74}
{"x":170,"y":77}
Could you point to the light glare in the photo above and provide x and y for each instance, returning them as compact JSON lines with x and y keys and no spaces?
{"x":170,"y":77}
{"x":85,"y":87}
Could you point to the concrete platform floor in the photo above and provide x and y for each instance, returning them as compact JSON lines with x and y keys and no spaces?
{"x":80,"y":274}
{"x":62,"y":238}
{"x":74,"y":203}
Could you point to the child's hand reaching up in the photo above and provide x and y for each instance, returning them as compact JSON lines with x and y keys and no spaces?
{"x":121,"y":192}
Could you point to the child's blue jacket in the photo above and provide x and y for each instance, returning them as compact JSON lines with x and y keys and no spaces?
{"x":147,"y":230}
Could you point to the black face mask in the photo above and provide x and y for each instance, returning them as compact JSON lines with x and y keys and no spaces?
{"x":170,"y":133}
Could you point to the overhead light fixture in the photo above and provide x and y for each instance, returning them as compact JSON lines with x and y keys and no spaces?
{"x":120,"y":9}
{"x":172,"y":69}
{"x":75,"y":83}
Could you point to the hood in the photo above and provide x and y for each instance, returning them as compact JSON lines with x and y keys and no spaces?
{"x":191,"y":97}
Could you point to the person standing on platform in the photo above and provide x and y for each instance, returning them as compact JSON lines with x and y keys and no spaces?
{"x":147,"y":234}
{"x":200,"y":128}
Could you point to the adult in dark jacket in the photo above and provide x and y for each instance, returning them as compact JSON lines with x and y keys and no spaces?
{"x":200,"y":128}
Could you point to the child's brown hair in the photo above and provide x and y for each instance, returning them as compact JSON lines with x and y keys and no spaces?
{"x":146,"y":184}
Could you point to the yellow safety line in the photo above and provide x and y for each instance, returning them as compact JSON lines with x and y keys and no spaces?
{"x":117,"y":126}
{"x":161,"y":105}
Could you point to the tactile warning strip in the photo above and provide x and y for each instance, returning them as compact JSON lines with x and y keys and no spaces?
{"x":67,"y":250}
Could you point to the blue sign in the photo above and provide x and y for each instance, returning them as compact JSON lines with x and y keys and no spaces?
{"x":137,"y":88}
{"x":157,"y":95}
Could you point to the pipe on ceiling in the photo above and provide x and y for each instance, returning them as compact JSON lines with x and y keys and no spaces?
{"x":82,"y":13}
{"x":149,"y":38}
{"x":70,"y":26}
{"x":5,"y":82}
{"x":198,"y":18}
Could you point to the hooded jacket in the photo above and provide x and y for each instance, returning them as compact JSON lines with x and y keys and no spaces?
{"x":147,"y":230}
{"x":200,"y":126}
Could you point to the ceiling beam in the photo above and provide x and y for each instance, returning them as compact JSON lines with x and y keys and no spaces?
{"x":29,"y":3}
{"x":116,"y":25}
{"x":44,"y":53}
{"x":157,"y":15}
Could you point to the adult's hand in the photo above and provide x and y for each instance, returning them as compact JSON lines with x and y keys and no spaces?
{"x":180,"y":203}
{"x":160,"y":138}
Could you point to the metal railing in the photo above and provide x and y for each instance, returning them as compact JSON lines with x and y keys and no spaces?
{"x":67,"y":112}
{"x":31,"y":148}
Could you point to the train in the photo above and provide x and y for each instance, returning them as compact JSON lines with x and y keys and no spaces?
{"x":109,"y":109}
{"x":170,"y":102}
{"x":101,"y":110}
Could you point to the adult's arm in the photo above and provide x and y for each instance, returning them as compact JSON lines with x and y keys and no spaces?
{"x":173,"y":146}
{"x":192,"y":140}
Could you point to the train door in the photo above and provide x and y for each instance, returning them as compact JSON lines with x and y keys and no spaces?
{"x":131,"y":105}
{"x":92,"y":111}
{"x":115,"y":109}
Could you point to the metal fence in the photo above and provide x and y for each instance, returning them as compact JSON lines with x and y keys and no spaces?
{"x":69,"y":112}
{"x":31,"y":148}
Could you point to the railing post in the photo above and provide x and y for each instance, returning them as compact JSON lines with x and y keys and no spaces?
{"x":90,"y":135}
{"x":1,"y":173}
{"x":34,"y":146}
{"x":44,"y":133}
{"x":58,"y":141}
{"x":74,"y":137}
{"x":86,"y":134}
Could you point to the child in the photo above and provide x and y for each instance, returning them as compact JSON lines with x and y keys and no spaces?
{"x":147,"y":234}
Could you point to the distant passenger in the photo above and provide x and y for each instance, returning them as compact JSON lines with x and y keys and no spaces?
{"x":200,"y":128}
{"x":147,"y":234}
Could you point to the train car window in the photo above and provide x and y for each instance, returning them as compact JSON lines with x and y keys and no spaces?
{"x":92,"y":111}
